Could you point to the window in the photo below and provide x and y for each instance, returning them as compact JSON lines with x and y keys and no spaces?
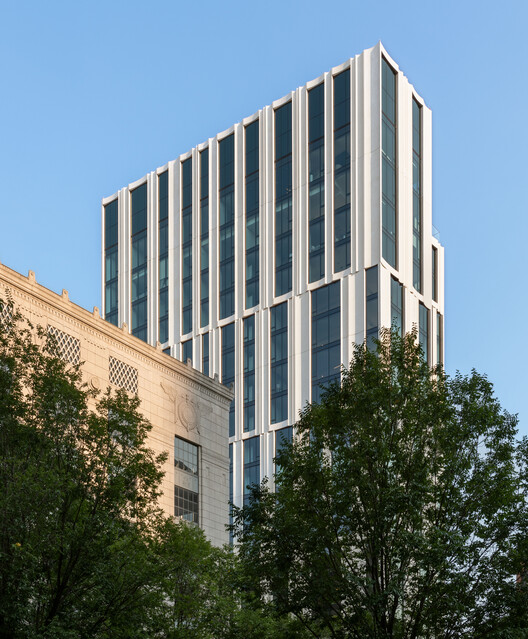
{"x":342,"y":212}
{"x":371,"y":305}
{"x":423,"y":331}
{"x":186,"y":351}
{"x":228,"y":368}
{"x":417,"y":195}
{"x":388,"y":163}
{"x":326,"y":338}
{"x":205,"y":354}
{"x":139,"y":324}
{"x":186,"y":240}
{"x":163,"y":259}
{"x":434,"y":267}
{"x":186,"y":480}
{"x":204,"y":237}
{"x":279,"y":363}
{"x":439,"y":339}
{"x":397,"y":305}
{"x":111,"y":262}
{"x":249,"y":374}
{"x":283,"y":199}
{"x":251,"y":465}
{"x":227,"y":226}
{"x":316,"y":172}
{"x":252,"y":214}
{"x":283,"y":436}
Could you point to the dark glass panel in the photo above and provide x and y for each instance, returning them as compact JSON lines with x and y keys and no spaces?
{"x":228,"y":367}
{"x":111,"y":224}
{"x":279,"y":363}
{"x":326,"y":337}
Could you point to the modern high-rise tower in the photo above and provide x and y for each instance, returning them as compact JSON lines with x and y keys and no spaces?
{"x":266,"y":252}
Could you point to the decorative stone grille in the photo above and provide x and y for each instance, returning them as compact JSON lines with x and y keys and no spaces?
{"x":123,"y":375}
{"x":6,"y":314}
{"x":68,"y":347}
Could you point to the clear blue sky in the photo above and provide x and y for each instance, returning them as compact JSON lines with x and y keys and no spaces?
{"x":96,"y":94}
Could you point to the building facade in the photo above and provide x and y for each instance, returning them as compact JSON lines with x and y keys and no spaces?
{"x":188,"y":411}
{"x":266,"y":252}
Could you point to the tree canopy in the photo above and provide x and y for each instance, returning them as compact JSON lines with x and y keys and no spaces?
{"x":399,"y":509}
{"x":85,"y":550}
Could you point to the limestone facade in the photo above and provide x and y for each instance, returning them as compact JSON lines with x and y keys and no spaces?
{"x":178,"y":400}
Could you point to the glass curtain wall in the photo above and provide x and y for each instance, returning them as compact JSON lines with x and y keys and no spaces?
{"x":205,"y":354}
{"x":423,"y":330}
{"x":111,"y":262}
{"x":163,"y":257}
{"x":417,"y":196}
{"x":371,"y":305}
{"x":397,"y":305}
{"x":228,"y":368}
{"x":186,"y":239}
{"x":139,"y":324}
{"x":326,"y":338}
{"x":279,"y":363}
{"x":249,"y":374}
{"x":388,"y":163}
{"x":283,"y":199}
{"x":204,"y":237}
{"x":316,"y":210}
{"x":342,"y":212}
{"x":227,"y":226}
{"x":252,"y":214}
{"x":251,"y":465}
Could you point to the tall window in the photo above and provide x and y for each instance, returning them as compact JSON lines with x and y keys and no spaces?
{"x":186,"y":481}
{"x":251,"y":465}
{"x":283,"y":436}
{"x":316,"y":211}
{"x":228,"y":368}
{"x":186,"y":350}
{"x":388,"y":163}
{"x":371,"y":305}
{"x":163,"y":257}
{"x":342,"y":213}
{"x":439,"y":339}
{"x":204,"y":237}
{"x":186,"y":239}
{"x":249,"y":373}
{"x":326,"y":338}
{"x":417,"y":196}
{"x":283,"y":199}
{"x":397,"y":305}
{"x":227,"y":226}
{"x":279,"y":363}
{"x":423,"y":330}
{"x":111,"y":262}
{"x":139,"y":262}
{"x":205,"y":354}
{"x":434,"y":267}
{"x":252,"y":214}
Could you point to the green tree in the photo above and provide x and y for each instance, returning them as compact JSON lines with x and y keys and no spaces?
{"x":85,"y":551}
{"x":78,"y":498}
{"x":399,"y":510}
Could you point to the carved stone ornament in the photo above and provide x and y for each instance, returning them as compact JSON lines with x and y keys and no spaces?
{"x":185,"y":409}
{"x":188,"y":414}
{"x":95,"y":383}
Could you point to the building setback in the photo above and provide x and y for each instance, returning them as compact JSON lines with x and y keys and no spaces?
{"x":266,"y":252}
{"x":188,"y":411}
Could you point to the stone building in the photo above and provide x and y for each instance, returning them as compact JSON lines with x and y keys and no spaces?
{"x":189,"y":411}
